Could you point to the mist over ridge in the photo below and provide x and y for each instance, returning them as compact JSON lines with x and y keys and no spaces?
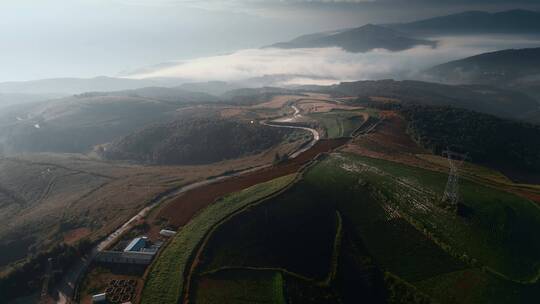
{"x":333,"y":65}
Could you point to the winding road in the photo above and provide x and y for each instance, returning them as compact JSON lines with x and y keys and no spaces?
{"x":281,"y":123}
{"x":66,"y":288}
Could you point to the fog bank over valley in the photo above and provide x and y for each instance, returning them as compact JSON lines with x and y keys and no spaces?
{"x":331,"y":65}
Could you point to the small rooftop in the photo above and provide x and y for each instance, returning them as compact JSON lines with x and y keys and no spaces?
{"x":136,"y":244}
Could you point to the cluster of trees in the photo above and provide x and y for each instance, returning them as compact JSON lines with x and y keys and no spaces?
{"x":496,"y":68}
{"x":195,"y":141}
{"x":487,"y":139}
{"x":26,"y":278}
{"x":484,"y":99}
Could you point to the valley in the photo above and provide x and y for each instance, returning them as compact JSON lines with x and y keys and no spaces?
{"x":182,"y":204}
{"x":411,"y":196}
{"x":389,"y":154}
{"x":326,"y":136}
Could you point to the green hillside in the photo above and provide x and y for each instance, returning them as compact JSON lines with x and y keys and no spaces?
{"x":499,"y":143}
{"x":356,"y":229}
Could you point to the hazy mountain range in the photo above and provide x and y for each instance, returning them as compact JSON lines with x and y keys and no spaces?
{"x":475,"y":22}
{"x":512,"y":69}
{"x":68,"y":86}
{"x":7,"y":99}
{"x":393,"y":37}
{"x":357,"y":40}
{"x":402,"y":36}
{"x":501,"y":67}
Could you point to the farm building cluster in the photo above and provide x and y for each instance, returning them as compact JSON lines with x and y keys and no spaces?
{"x":139,"y":251}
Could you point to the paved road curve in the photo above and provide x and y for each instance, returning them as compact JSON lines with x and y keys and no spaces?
{"x":281,"y":123}
{"x":65,"y":289}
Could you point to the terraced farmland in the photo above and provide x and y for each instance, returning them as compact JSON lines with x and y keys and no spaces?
{"x":166,"y":280}
{"x":494,"y":230}
{"x":339,"y":123}
{"x":396,"y":242}
{"x":281,"y":234}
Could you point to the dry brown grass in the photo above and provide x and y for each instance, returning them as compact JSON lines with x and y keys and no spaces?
{"x":389,"y":141}
{"x":232,"y":112}
{"x":61,"y":198}
{"x":346,"y":99}
{"x":320,"y":106}
{"x":277,"y":102}
{"x":72,"y":236}
{"x":47,"y":199}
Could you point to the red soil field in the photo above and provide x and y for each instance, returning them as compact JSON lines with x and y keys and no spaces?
{"x":182,"y":209}
{"x":530,"y":195}
{"x":389,"y":141}
{"x":74,"y":235}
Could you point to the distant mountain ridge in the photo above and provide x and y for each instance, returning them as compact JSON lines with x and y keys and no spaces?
{"x":8,"y":99}
{"x":517,"y":70}
{"x":402,"y":36}
{"x":162,"y":94}
{"x":475,"y":22}
{"x":77,"y":123}
{"x":501,"y":67}
{"x":480,"y":98}
{"x":357,"y":40}
{"x":68,"y":86}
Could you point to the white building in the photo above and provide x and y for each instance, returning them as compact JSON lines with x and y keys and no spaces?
{"x":167,"y":233}
{"x":99,"y":298}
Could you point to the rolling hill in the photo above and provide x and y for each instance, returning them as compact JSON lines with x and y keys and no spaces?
{"x":357,"y":40}
{"x":194,"y":141}
{"x":505,"y":67}
{"x":498,"y":143}
{"x":475,"y":22}
{"x":50,"y":201}
{"x":252,"y":96}
{"x":68,"y":86}
{"x":9,"y":99}
{"x":353,"y":229}
{"x":163,"y":94}
{"x":484,"y":99}
{"x":216,"y":88}
{"x":76,"y":124}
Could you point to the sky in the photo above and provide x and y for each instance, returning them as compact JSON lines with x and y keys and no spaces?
{"x":88,"y":38}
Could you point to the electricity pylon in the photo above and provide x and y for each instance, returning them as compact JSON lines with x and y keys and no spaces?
{"x":451,"y":192}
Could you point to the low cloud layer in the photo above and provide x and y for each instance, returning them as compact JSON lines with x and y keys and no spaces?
{"x":331,"y":65}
